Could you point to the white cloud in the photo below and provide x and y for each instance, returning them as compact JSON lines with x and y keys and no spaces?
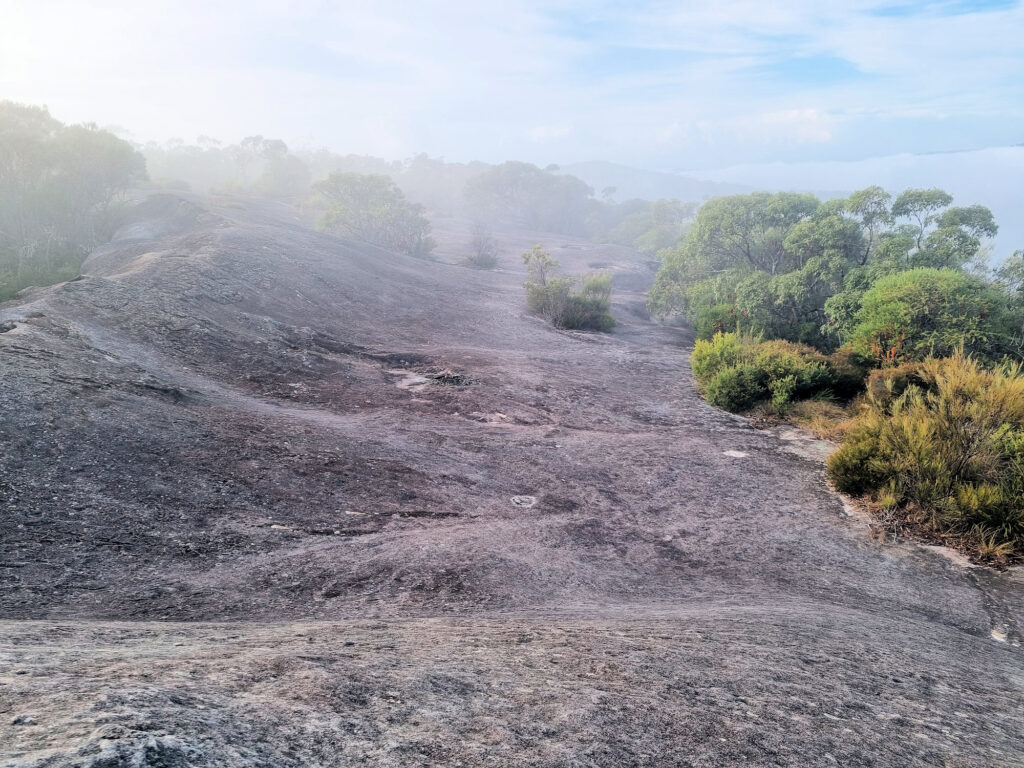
{"x":549,"y":81}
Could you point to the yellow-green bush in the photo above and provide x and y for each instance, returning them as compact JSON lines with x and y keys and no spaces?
{"x":723,"y":350}
{"x":736,"y":372}
{"x":948,"y":449}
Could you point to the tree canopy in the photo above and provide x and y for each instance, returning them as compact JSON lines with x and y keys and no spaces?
{"x":923,"y":312}
{"x":791,"y":266}
{"x":57,"y":184}
{"x":532,"y":197}
{"x":373,"y":209}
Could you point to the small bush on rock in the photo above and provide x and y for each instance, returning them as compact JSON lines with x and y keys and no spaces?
{"x":483,"y":248}
{"x":554,"y":299}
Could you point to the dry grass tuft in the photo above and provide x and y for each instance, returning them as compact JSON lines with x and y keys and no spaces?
{"x":826,"y":420}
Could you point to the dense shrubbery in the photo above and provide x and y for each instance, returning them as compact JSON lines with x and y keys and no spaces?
{"x":941,"y":443}
{"x":59,"y":189}
{"x":647,"y":226}
{"x":718,"y":318}
{"x":920,"y":312}
{"x":554,"y":299}
{"x":899,"y":278}
{"x":513,"y":193}
{"x":736,"y":372}
{"x":938,"y":438}
{"x":255,"y":165}
{"x":529,"y":196}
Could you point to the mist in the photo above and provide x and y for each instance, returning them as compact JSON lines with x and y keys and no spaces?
{"x":515,"y":383}
{"x":658,"y":87}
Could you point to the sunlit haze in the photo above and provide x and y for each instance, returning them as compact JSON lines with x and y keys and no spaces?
{"x":670,"y":86}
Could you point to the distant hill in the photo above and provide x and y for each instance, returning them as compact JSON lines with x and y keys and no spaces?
{"x":632,"y":183}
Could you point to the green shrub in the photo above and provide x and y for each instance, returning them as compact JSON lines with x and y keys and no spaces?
{"x":719,"y":318}
{"x":589,"y":310}
{"x":777,"y":370}
{"x":948,"y":450}
{"x":849,"y":369}
{"x":855,"y":468}
{"x":372,"y":208}
{"x":553,"y":297}
{"x":923,"y":312}
{"x":779,"y":360}
{"x":723,"y":350}
{"x":581,"y":313}
{"x":885,"y":385}
{"x":782,"y":392}
{"x":737,"y":388}
{"x":548,"y":299}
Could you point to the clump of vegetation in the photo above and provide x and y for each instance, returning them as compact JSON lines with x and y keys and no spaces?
{"x":589,"y":309}
{"x":893,"y":296}
{"x":647,"y":226}
{"x":736,"y":372}
{"x":373,"y":209}
{"x":900,"y":277}
{"x":483,"y":248}
{"x":718,"y":318}
{"x":255,"y":165}
{"x":554,"y":298}
{"x":941,"y":445}
{"x":60,"y":189}
{"x":531,"y":197}
{"x":919,"y":312}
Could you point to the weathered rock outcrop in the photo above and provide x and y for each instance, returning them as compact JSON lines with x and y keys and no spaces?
{"x":243,"y":525}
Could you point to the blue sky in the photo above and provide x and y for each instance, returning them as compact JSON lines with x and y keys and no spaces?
{"x":663,"y":85}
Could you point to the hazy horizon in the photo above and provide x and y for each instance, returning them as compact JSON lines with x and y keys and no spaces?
{"x":660,"y":86}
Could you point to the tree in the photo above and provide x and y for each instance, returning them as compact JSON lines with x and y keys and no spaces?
{"x":795,"y":268}
{"x":283,"y":176}
{"x":484,"y":249}
{"x":373,"y":209}
{"x":871,"y":207}
{"x":1010,"y":274}
{"x":924,"y":312}
{"x":922,"y":206}
{"x":58,"y":186}
{"x":747,"y":230}
{"x":775,"y":257}
{"x":649,"y":227}
{"x":524,"y":194}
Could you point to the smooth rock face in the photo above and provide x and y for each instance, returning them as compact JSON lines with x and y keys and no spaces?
{"x":236,"y":534}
